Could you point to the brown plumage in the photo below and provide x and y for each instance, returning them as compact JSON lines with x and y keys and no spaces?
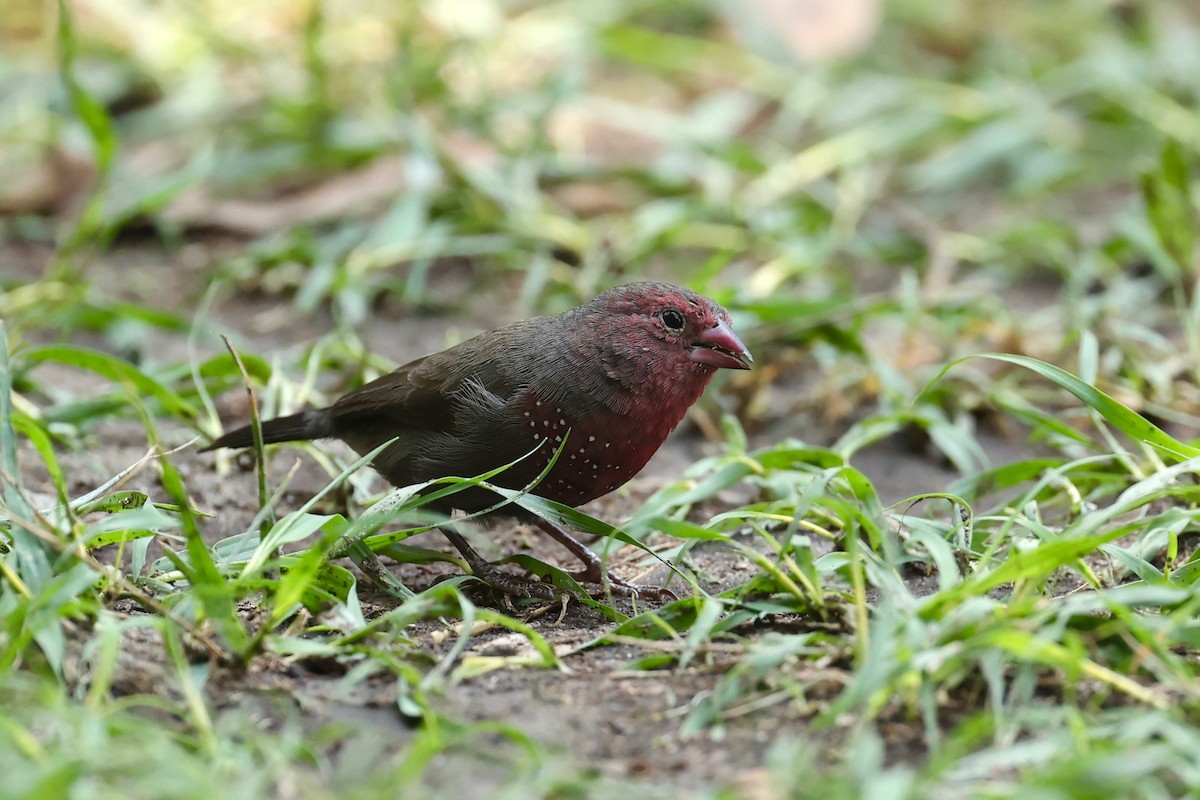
{"x":617,"y":373}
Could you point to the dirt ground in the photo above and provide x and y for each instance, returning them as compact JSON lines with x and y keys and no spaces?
{"x":622,"y":723}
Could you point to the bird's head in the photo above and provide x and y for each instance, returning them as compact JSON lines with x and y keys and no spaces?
{"x":673,"y":329}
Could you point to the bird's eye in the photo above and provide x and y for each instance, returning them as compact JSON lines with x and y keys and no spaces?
{"x":672,"y":319}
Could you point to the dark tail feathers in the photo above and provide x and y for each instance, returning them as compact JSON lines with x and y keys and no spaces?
{"x":315,"y":424}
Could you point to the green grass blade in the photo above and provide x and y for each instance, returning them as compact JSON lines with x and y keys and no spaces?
{"x":1124,"y":419}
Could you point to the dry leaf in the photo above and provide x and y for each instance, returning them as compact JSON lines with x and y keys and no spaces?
{"x":347,"y":194}
{"x":819,"y":30}
{"x":54,"y":186}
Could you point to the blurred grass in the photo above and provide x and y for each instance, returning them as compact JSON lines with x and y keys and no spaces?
{"x":955,"y":180}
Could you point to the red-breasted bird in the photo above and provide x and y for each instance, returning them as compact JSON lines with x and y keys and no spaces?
{"x":617,"y":373}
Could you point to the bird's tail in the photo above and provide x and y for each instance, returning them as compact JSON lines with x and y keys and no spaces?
{"x":313,"y":424}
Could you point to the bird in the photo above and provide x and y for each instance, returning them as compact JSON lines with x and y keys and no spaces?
{"x":602,"y":385}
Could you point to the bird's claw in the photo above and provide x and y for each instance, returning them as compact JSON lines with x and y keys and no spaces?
{"x":508,"y":585}
{"x":619,"y":586}
{"x":594,"y":572}
{"x":512,"y":586}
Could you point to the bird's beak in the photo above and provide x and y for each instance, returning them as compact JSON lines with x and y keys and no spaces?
{"x":720,"y":347}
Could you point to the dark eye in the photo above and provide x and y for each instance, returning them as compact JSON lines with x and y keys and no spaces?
{"x":672,"y":319}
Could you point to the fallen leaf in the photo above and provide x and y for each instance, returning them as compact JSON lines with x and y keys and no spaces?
{"x":347,"y":194}
{"x":819,"y":30}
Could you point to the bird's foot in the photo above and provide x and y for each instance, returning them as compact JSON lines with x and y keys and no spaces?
{"x":594,"y":574}
{"x":507,"y":585}
{"x":593,"y":569}
{"x":512,"y":586}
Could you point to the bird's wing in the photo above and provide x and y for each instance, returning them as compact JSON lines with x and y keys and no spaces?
{"x":400,"y":397}
{"x":426,"y":395}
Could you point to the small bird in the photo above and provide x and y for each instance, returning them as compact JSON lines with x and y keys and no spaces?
{"x":612,"y":378}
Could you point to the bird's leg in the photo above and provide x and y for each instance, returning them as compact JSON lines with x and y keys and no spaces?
{"x":593,"y":569}
{"x":484,"y":571}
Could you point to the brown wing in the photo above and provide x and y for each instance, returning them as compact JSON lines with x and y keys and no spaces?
{"x":398,"y":400}
{"x":451,"y":411}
